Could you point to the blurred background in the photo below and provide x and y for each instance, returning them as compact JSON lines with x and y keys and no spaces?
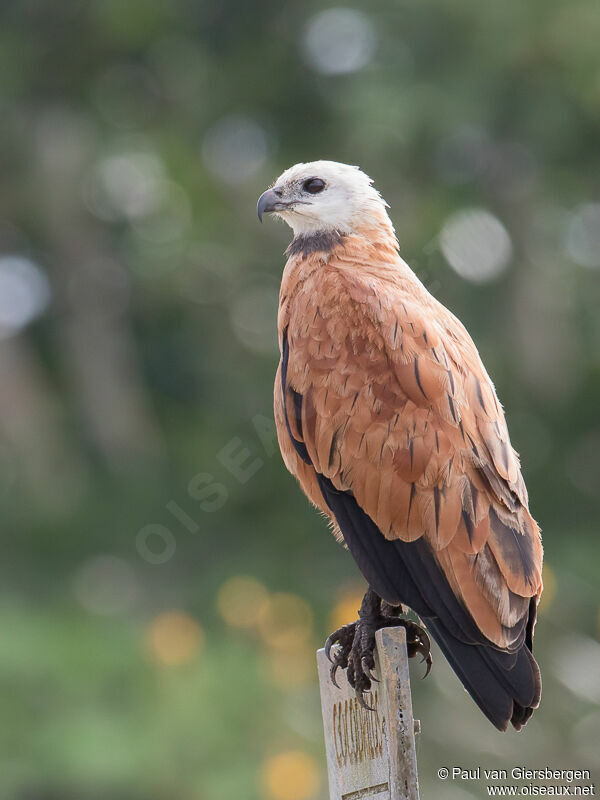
{"x":164,"y":583}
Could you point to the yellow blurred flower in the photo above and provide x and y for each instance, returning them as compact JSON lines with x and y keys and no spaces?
{"x":346,"y":608}
{"x":550,"y":586}
{"x":174,"y":638}
{"x":285,"y":621}
{"x":292,"y":775}
{"x":241,"y":600}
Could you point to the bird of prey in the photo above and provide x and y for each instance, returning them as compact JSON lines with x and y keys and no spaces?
{"x":388,"y":419}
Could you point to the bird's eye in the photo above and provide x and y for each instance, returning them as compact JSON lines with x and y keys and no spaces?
{"x":313,"y":185}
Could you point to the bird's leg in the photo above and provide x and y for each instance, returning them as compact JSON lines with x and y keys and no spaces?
{"x":355,"y":643}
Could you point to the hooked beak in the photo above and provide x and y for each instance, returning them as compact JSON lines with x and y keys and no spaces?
{"x":269,"y":201}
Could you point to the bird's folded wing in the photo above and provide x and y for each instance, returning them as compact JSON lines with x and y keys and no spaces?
{"x":381,"y":391}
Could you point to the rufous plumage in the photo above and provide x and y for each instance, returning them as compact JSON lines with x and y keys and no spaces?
{"x":388,"y":419}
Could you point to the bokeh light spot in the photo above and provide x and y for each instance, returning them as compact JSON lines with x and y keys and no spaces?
{"x":126,"y":184}
{"x":234,"y":148}
{"x":582,"y":237}
{"x":346,"y":608}
{"x":292,"y":775}
{"x":241,"y":600}
{"x":285,"y":621}
{"x":169,"y":220}
{"x":476,"y":245}
{"x":174,"y":638}
{"x":550,"y":587}
{"x":339,"y":40}
{"x":24,"y":293}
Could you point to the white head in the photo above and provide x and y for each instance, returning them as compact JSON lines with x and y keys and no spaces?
{"x":324,"y":196}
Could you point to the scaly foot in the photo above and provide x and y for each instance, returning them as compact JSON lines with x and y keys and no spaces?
{"x":355,"y":643}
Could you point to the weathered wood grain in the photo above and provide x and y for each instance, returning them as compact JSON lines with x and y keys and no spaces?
{"x":371,"y":754}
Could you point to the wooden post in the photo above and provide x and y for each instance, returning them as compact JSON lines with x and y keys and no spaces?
{"x":371,"y":754}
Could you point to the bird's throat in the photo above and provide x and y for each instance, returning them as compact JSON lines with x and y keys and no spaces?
{"x":315,"y":242}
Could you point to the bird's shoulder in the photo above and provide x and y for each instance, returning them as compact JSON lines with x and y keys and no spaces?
{"x":369,"y":313}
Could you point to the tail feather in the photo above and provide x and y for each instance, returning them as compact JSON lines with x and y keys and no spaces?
{"x":503,"y":696}
{"x":505,"y":685}
{"x":475,"y":675}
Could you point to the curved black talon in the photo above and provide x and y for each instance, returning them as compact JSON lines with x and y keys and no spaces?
{"x":342,"y":640}
{"x":429,"y":661}
{"x":361,"y":700}
{"x":328,"y":645}
{"x":340,"y":661}
{"x":332,"y":671}
{"x":368,"y":669}
{"x":355,"y":644}
{"x":417,"y":641}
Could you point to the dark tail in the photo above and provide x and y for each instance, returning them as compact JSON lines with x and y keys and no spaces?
{"x":505,"y":686}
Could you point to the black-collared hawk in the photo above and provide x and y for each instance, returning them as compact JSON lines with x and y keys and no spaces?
{"x":388,"y":419}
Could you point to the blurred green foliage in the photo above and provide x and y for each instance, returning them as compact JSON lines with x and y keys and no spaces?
{"x":138,"y":349}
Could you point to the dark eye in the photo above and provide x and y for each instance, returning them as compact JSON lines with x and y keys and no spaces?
{"x":313,"y":185}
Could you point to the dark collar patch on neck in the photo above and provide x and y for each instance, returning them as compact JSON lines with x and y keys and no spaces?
{"x":319,"y":242}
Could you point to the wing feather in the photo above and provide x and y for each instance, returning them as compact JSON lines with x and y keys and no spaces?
{"x":397,"y":409}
